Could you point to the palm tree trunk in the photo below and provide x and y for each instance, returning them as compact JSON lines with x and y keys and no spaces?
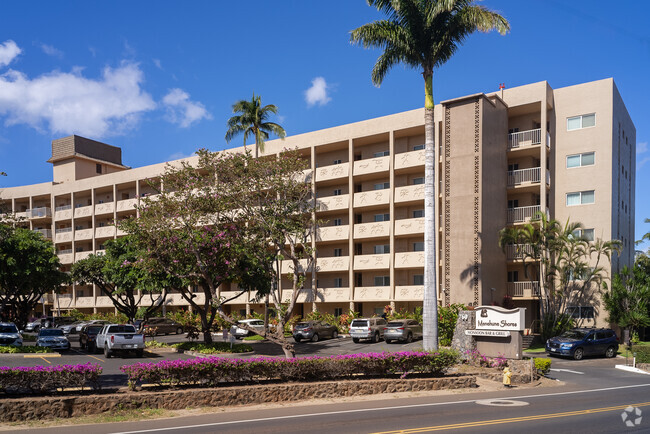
{"x":430,"y":308}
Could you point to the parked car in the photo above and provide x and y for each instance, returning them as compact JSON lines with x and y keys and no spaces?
{"x":580,"y":342}
{"x":314,"y":331}
{"x":9,"y":334}
{"x":240,"y":333}
{"x":114,"y":338}
{"x":33,"y":326}
{"x":163,"y":326}
{"x":71,"y":328}
{"x":92,"y":322}
{"x":88,"y":337}
{"x":53,"y":338}
{"x":367,"y":328}
{"x":402,"y":330}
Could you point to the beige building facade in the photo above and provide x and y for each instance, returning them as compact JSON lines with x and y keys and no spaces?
{"x":502,"y":157}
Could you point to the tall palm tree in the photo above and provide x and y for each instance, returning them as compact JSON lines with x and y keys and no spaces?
{"x":251,"y":119}
{"x":424,"y":34}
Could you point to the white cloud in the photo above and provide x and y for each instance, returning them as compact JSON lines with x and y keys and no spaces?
{"x":179,"y":156}
{"x":51,"y":51}
{"x":8,"y":52}
{"x":317,"y":93}
{"x":68,"y":103}
{"x":641,"y":147}
{"x":641,"y":163}
{"x":157,"y":63}
{"x":181,"y":110}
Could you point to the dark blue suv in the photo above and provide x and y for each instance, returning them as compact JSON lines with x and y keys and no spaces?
{"x":581,"y":342}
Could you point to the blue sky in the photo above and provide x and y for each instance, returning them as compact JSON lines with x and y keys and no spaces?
{"x":158,"y":78}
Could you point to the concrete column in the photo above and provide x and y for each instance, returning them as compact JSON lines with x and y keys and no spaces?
{"x":351,"y":221}
{"x":391,"y":210}
{"x":543,"y":155}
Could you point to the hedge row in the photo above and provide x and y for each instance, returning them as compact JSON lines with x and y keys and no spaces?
{"x":24,"y":349}
{"x":642,"y":353}
{"x":214,"y":371}
{"x":42,"y":379}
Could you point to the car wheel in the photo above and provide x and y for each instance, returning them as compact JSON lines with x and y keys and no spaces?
{"x":335,"y":334}
{"x":296,"y":339}
{"x":355,"y":340}
{"x":409,"y":338}
{"x":107,"y":353}
{"x":388,"y":341}
{"x":578,"y":354}
{"x":611,"y":352}
{"x":139,"y":353}
{"x":179,"y":331}
{"x":315,"y":337}
{"x":375,"y":338}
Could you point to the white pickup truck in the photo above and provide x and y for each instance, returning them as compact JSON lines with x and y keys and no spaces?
{"x":115,"y":338}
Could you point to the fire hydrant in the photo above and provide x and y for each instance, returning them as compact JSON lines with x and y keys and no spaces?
{"x":506,"y":376}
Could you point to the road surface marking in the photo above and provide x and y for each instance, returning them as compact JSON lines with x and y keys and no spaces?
{"x":567,"y":370}
{"x":502,"y":402}
{"x":40,"y":356}
{"x":365,"y":410}
{"x":513,"y":419}
{"x":96,"y":358}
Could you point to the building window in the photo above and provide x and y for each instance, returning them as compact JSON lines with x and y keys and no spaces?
{"x":418,"y":279}
{"x":337,"y":192}
{"x":418,"y":213}
{"x":337,"y":161}
{"x":382,"y":280}
{"x":513,"y":203}
{"x":98,"y":168}
{"x":338,"y":282}
{"x":583,"y":121}
{"x":418,"y":147}
{"x":382,"y":185}
{"x":580,"y":198}
{"x":513,"y":276}
{"x":338,"y":252}
{"x":337,"y":222}
{"x":338,"y":311}
{"x":381,"y":154}
{"x":418,"y":246}
{"x":382,"y":217}
{"x":418,"y":181}
{"x":382,"y":248}
{"x":582,"y":312}
{"x":579,"y":160}
{"x":585,"y":234}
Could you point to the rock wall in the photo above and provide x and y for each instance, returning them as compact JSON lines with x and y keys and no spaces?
{"x":462,"y":342}
{"x":21,"y":409}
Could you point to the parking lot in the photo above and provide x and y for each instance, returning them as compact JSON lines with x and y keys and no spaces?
{"x":113,"y":377}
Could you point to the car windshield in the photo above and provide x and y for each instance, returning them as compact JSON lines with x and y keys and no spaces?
{"x":8,"y":329}
{"x":51,"y":332}
{"x":359,"y":323}
{"x":121,"y":329}
{"x":302,"y":325}
{"x":573,"y":334}
{"x":94,"y":330}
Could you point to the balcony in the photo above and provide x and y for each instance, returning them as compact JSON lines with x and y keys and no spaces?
{"x":371,"y":165}
{"x":64,"y":300}
{"x":371,"y":230}
{"x":83,"y":211}
{"x":372,"y":293}
{"x":518,"y":252}
{"x":39,"y":213}
{"x":104,"y":208}
{"x":523,"y":289}
{"x":372,"y":262}
{"x":407,"y":160}
{"x":85,"y":301}
{"x":127,"y":204}
{"x":63,"y":212}
{"x":333,"y":263}
{"x":230,"y":294}
{"x":409,"y":293}
{"x":524,"y":139}
{"x":63,"y":235}
{"x":66,"y":256}
{"x":287,"y":266}
{"x":333,"y":203}
{"x":409,"y":193}
{"x":329,"y":295}
{"x":372,"y":198}
{"x":409,"y":260}
{"x":47,"y":233}
{"x":82,"y":255}
{"x":523,"y":214}
{"x":333,"y":233}
{"x":413,"y":226}
{"x":105,"y":232}
{"x":527,"y":177}
{"x":335,"y":171}
{"x":83,"y":234}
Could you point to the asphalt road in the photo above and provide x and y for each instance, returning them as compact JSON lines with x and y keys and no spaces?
{"x":593,"y":399}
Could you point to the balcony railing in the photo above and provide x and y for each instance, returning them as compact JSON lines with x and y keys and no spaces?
{"x":63,"y":208}
{"x":523,"y":289}
{"x":39,"y":212}
{"x":64,"y":252}
{"x":524,"y":138}
{"x":523,"y":213}
{"x":524,"y":176}
{"x":518,"y":251}
{"x":63,"y":230}
{"x":47,"y":233}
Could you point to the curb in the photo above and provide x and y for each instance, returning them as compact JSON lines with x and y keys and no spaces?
{"x":631,"y":369}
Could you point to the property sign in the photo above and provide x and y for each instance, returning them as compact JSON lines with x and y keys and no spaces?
{"x":496,"y":333}
{"x":498,"y":318}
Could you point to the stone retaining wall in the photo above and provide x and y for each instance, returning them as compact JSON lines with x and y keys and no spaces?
{"x":21,"y":409}
{"x":644,"y":366}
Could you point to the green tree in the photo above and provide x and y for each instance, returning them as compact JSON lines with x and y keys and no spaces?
{"x":627,"y":300}
{"x":423,"y":35}
{"x":29,"y":269}
{"x":252,"y":119}
{"x":123,"y":275}
{"x":565,"y":269}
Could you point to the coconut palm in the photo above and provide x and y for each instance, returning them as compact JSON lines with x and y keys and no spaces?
{"x":424,"y":34}
{"x":251,"y":119}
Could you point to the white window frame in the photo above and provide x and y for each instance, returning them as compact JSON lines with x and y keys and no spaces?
{"x":580,"y":117}
{"x":381,"y":249}
{"x":418,"y":211}
{"x":385,"y":280}
{"x":419,"y":180}
{"x":581,"y":193}
{"x":581,"y":155}
{"x":381,"y":154}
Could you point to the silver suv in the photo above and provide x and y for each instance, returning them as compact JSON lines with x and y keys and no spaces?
{"x":367,"y":328}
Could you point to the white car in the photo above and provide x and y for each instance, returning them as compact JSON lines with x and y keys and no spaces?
{"x":92,"y":322}
{"x":9,"y":335}
{"x":53,"y":338}
{"x":239,"y":333}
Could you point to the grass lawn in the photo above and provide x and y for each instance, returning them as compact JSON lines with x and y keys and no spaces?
{"x":623,"y":351}
{"x":535,"y":348}
{"x":254,"y":338}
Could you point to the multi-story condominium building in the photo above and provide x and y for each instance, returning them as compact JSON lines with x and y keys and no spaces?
{"x":502,"y":157}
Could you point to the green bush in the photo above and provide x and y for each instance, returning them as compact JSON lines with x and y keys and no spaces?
{"x":542,"y":365}
{"x":447,"y":317}
{"x":642,"y":353}
{"x":41,"y":379}
{"x":213,"y":348}
{"x":24,"y":349}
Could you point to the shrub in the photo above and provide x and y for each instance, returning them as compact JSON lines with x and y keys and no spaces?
{"x":215,"y":370}
{"x":542,"y":365}
{"x":213,"y":348}
{"x":642,"y":353}
{"x":447,"y":317}
{"x":16,"y":350}
{"x":475,"y":358}
{"x":40,"y":379}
